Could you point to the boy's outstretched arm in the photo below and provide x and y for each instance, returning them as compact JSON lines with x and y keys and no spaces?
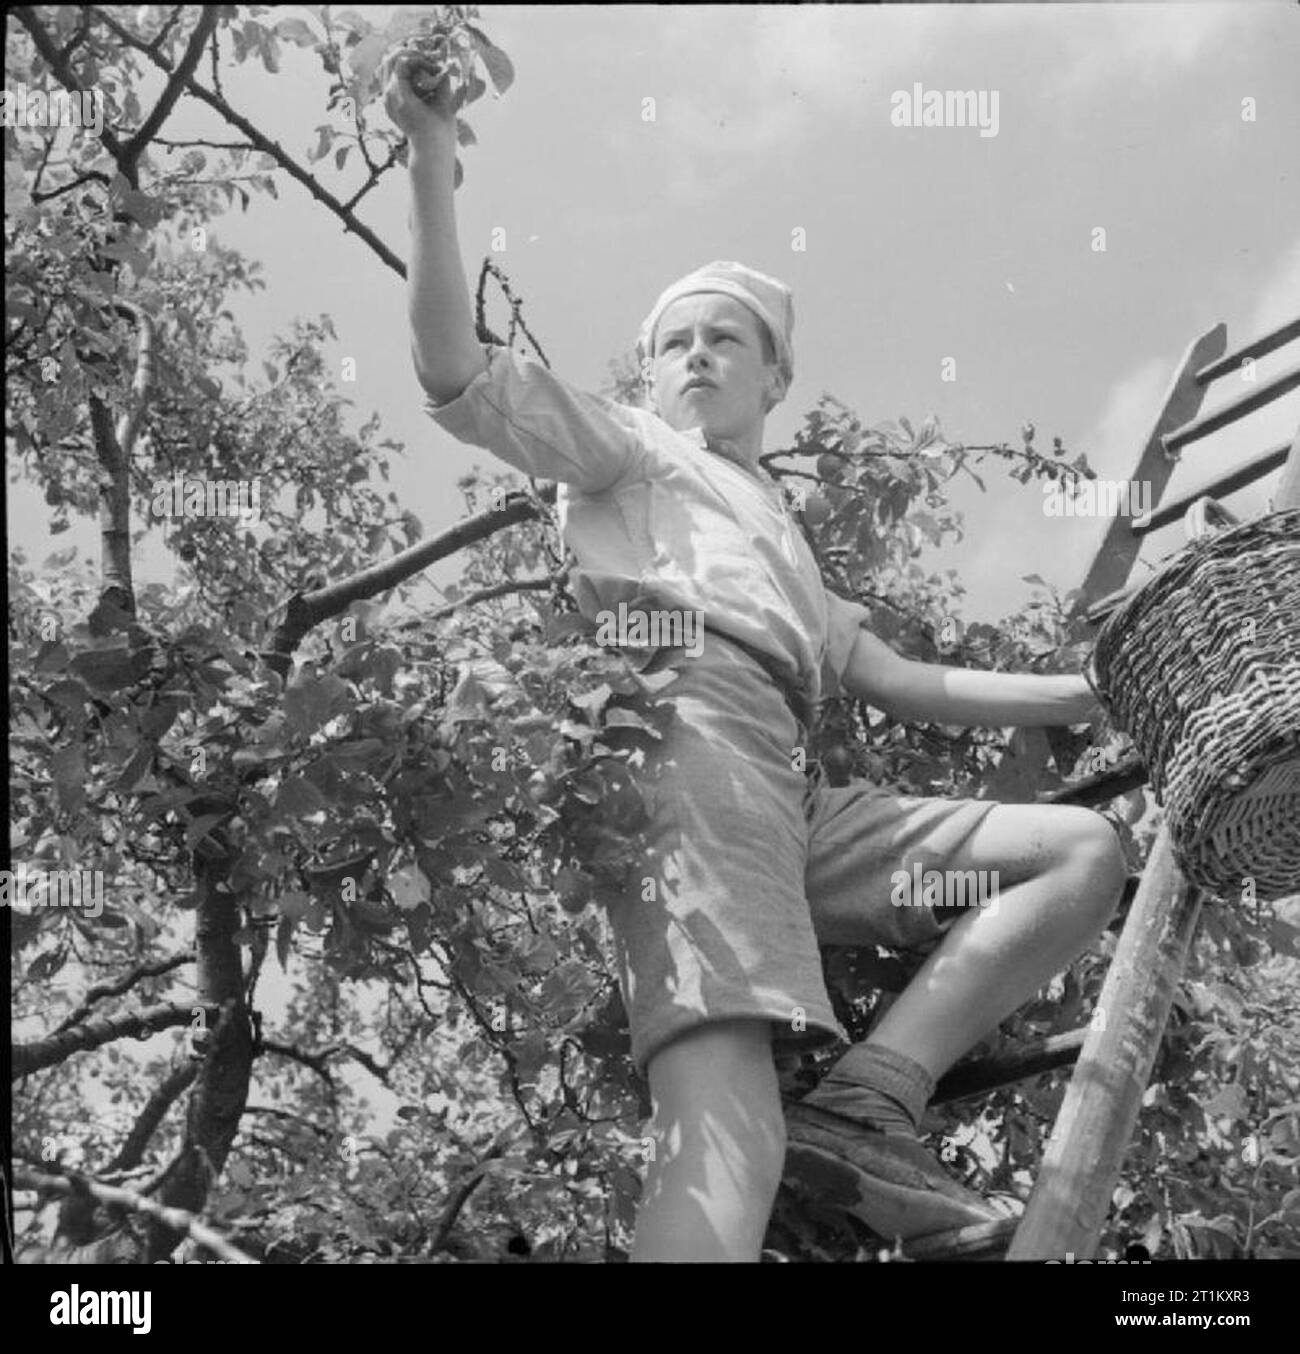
{"x":444,"y":345}
{"x":936,"y":694}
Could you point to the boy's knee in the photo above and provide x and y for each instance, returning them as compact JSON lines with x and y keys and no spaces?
{"x":1095,"y":853}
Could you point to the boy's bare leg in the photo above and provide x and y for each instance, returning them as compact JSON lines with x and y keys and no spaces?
{"x":719,"y":1145}
{"x":995,"y":959}
{"x":1063,"y":873}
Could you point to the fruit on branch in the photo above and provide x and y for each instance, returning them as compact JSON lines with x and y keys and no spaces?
{"x":427,"y":61}
{"x":816,"y":510}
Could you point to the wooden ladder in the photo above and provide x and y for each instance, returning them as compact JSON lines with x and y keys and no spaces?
{"x":1113,"y":1057}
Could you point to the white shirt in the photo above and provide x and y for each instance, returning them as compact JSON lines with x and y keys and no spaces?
{"x":654,"y":518}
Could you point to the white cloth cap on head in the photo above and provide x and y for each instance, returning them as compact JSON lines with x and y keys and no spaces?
{"x":770,"y":300}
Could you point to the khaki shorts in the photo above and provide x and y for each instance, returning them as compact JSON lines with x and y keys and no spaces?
{"x":749,"y":865}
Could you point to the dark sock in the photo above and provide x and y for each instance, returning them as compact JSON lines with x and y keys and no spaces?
{"x":874,"y":1085}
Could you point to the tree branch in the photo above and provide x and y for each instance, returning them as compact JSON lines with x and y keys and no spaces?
{"x":319,"y":1061}
{"x":161,"y":36}
{"x":208,"y":16}
{"x":500,"y":590}
{"x":262,"y":143}
{"x":71,"y":1184}
{"x":131,"y":1153}
{"x":88,"y":176}
{"x":368,"y":1061}
{"x":459,"y":1196}
{"x":200,"y":141}
{"x":63,"y":72}
{"x":304,"y":611}
{"x":319,"y":1129}
{"x":114,"y":510}
{"x":154,"y":969}
{"x":316,"y":1061}
{"x":100,"y":1030}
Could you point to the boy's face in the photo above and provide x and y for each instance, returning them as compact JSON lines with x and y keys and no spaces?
{"x":714,"y":337}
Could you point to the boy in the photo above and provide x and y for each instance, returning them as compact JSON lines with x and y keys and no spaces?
{"x":750,"y":865}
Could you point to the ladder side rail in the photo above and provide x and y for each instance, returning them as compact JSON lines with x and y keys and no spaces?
{"x":1081,"y":1164}
{"x":1085,"y":1152}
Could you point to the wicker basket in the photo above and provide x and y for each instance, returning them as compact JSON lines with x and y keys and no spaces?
{"x":1212,"y":708}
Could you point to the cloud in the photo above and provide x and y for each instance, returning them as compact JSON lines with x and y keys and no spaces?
{"x":1115,"y":439}
{"x":829,"y":52}
{"x":764,"y":79}
{"x":1117,"y":436}
{"x":1280,"y":299}
{"x":1105,"y":43}
{"x":760,"y":78}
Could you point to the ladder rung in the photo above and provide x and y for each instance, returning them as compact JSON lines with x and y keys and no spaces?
{"x":1103,"y":785}
{"x":1027,"y":1060}
{"x":1252,"y":470}
{"x":1231,"y":362}
{"x":981,"y":1241}
{"x":1244,"y":404}
{"x":1099,"y":610}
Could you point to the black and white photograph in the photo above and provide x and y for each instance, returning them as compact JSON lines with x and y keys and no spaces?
{"x":655,"y":634}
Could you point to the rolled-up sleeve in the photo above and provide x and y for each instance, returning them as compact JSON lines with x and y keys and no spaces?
{"x":845,"y":620}
{"x":540,"y":424}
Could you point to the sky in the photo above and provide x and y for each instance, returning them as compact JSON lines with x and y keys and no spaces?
{"x":921,"y":243}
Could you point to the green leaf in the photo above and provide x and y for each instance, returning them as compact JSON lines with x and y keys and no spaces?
{"x":201,"y":826}
{"x":499,"y":67}
{"x":469,"y":700}
{"x":409,"y":887}
{"x":51,"y":657}
{"x":324,"y":136}
{"x":313,"y":701}
{"x":594,"y":701}
{"x":70,"y":778}
{"x":403,"y":24}
{"x":295,"y":904}
{"x":1284,"y":937}
{"x":574,"y":888}
{"x":364,"y":61}
{"x":136,"y":767}
{"x":109,"y":669}
{"x":360,"y":754}
{"x":570,"y":623}
{"x":620,"y":717}
{"x":296,"y":31}
{"x":299,"y":797}
{"x":47,"y":965}
{"x":1229,"y":1103}
{"x":530,"y":1054}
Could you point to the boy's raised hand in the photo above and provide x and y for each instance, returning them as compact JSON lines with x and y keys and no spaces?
{"x":418,"y":96}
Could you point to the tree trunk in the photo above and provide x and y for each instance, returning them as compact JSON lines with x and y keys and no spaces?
{"x":221,"y":1091}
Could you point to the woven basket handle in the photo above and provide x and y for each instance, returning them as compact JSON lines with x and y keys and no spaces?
{"x":1196,"y":520}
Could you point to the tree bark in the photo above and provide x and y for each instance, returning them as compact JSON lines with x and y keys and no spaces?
{"x":220,"y":1093}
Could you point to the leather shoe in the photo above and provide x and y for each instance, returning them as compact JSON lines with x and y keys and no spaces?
{"x":888,"y":1181}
